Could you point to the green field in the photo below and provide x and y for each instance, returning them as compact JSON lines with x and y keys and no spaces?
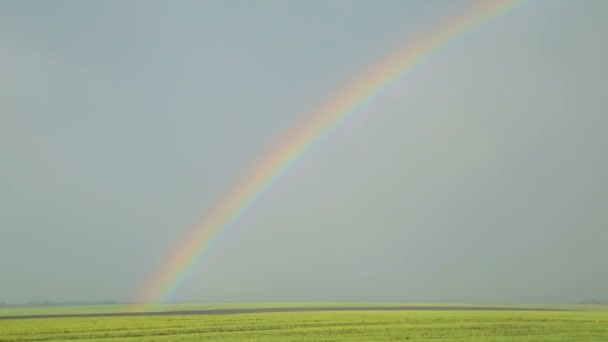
{"x":319,"y":326}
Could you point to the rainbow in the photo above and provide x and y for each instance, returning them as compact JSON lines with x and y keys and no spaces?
{"x":360,"y":97}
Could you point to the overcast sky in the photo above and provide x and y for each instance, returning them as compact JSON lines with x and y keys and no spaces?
{"x":484,"y":179}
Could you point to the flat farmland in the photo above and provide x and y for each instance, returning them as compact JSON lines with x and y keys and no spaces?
{"x":354,"y":323}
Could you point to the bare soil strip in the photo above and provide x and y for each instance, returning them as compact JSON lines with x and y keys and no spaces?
{"x":275,"y":310}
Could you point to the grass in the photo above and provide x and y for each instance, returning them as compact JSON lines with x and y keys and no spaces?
{"x":320,"y":326}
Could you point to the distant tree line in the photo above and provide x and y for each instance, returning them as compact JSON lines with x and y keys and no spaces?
{"x":51,"y":303}
{"x":594,"y":302}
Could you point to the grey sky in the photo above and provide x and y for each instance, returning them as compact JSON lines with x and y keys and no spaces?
{"x":121,"y":123}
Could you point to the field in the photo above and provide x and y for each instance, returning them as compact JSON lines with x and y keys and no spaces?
{"x":436,"y":322}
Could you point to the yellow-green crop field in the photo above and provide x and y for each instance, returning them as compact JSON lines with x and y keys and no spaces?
{"x":465,"y":325}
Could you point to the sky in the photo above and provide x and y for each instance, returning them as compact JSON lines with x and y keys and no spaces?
{"x":485,"y":178}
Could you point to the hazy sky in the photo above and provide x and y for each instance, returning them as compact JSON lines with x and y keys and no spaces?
{"x":485,"y":179}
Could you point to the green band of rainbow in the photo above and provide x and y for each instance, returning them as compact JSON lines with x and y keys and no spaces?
{"x":354,"y":100}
